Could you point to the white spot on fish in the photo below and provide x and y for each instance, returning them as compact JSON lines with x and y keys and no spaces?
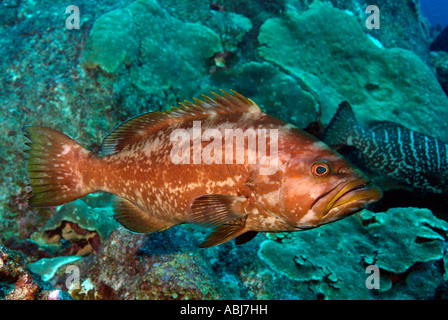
{"x":319,"y":145}
{"x":310,"y":216}
{"x":427,"y":148}
{"x":400,"y":142}
{"x":350,"y":140}
{"x":412,"y":145}
{"x":66,"y":150}
{"x":437,"y":155}
{"x":269,"y":222}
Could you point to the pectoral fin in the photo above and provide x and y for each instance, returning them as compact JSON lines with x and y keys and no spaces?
{"x":212,"y":210}
{"x":135,"y":219}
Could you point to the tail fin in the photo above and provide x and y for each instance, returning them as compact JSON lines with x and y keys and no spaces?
{"x":54,"y":165}
{"x":343,"y":128}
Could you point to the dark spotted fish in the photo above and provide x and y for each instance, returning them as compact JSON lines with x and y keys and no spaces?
{"x":407,"y":156}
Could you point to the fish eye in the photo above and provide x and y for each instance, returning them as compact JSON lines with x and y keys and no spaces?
{"x":320,"y":169}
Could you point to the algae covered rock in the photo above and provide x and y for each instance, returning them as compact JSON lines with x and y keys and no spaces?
{"x":43,"y":83}
{"x":17,"y":282}
{"x":277,"y":93}
{"x":332,"y":260}
{"x":402,"y":23}
{"x":112,"y":41}
{"x":137,"y":266}
{"x":232,"y":27}
{"x":47,"y":267}
{"x":77,"y":229}
{"x":162,"y":52}
{"x":328,"y":49}
{"x":164,"y":266}
{"x":440,"y":61}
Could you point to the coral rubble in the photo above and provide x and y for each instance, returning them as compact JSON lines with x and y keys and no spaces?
{"x":17,"y":282}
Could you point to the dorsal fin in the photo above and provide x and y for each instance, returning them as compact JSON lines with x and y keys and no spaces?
{"x":140,"y":126}
{"x":384,"y":125}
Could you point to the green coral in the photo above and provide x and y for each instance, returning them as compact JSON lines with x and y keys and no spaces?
{"x":332,"y":259}
{"x":112,"y":42}
{"x":47,"y":267}
{"x":232,"y":27}
{"x":277,"y":93}
{"x":78,"y":212}
{"x":78,"y":227}
{"x":165,"y":47}
{"x":413,"y":235}
{"x":328,"y":49}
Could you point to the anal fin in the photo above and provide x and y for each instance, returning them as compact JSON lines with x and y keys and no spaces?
{"x":223,"y":234}
{"x":133,"y":218}
{"x":245,"y":237}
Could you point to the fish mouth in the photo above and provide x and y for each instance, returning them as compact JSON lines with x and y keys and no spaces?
{"x":352,"y":198}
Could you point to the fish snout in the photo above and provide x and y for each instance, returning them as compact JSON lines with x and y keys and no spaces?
{"x":352,"y":198}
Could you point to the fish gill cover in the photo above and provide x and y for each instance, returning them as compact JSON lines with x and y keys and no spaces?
{"x":85,"y":69}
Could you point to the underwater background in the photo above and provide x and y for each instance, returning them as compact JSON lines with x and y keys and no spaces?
{"x":297,"y":60}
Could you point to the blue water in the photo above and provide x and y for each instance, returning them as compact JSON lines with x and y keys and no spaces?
{"x":436,"y":11}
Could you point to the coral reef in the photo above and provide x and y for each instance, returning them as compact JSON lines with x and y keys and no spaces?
{"x":79,"y":227}
{"x":165,"y":265}
{"x":297,"y":59}
{"x":401,"y":23}
{"x":47,"y":268}
{"x":131,"y":266}
{"x":347,"y":64}
{"x":406,"y":244}
{"x":440,"y":61}
{"x":17,"y":282}
{"x":278,"y":93}
{"x":164,"y":46}
{"x":43,"y":83}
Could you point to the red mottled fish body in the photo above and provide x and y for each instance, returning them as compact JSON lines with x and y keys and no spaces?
{"x":205,"y":180}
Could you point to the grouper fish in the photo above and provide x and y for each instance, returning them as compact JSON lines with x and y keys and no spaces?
{"x":408,"y":157}
{"x":153,"y":164}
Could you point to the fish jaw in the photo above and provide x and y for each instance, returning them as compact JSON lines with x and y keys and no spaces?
{"x":344,"y":200}
{"x":354,"y":197}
